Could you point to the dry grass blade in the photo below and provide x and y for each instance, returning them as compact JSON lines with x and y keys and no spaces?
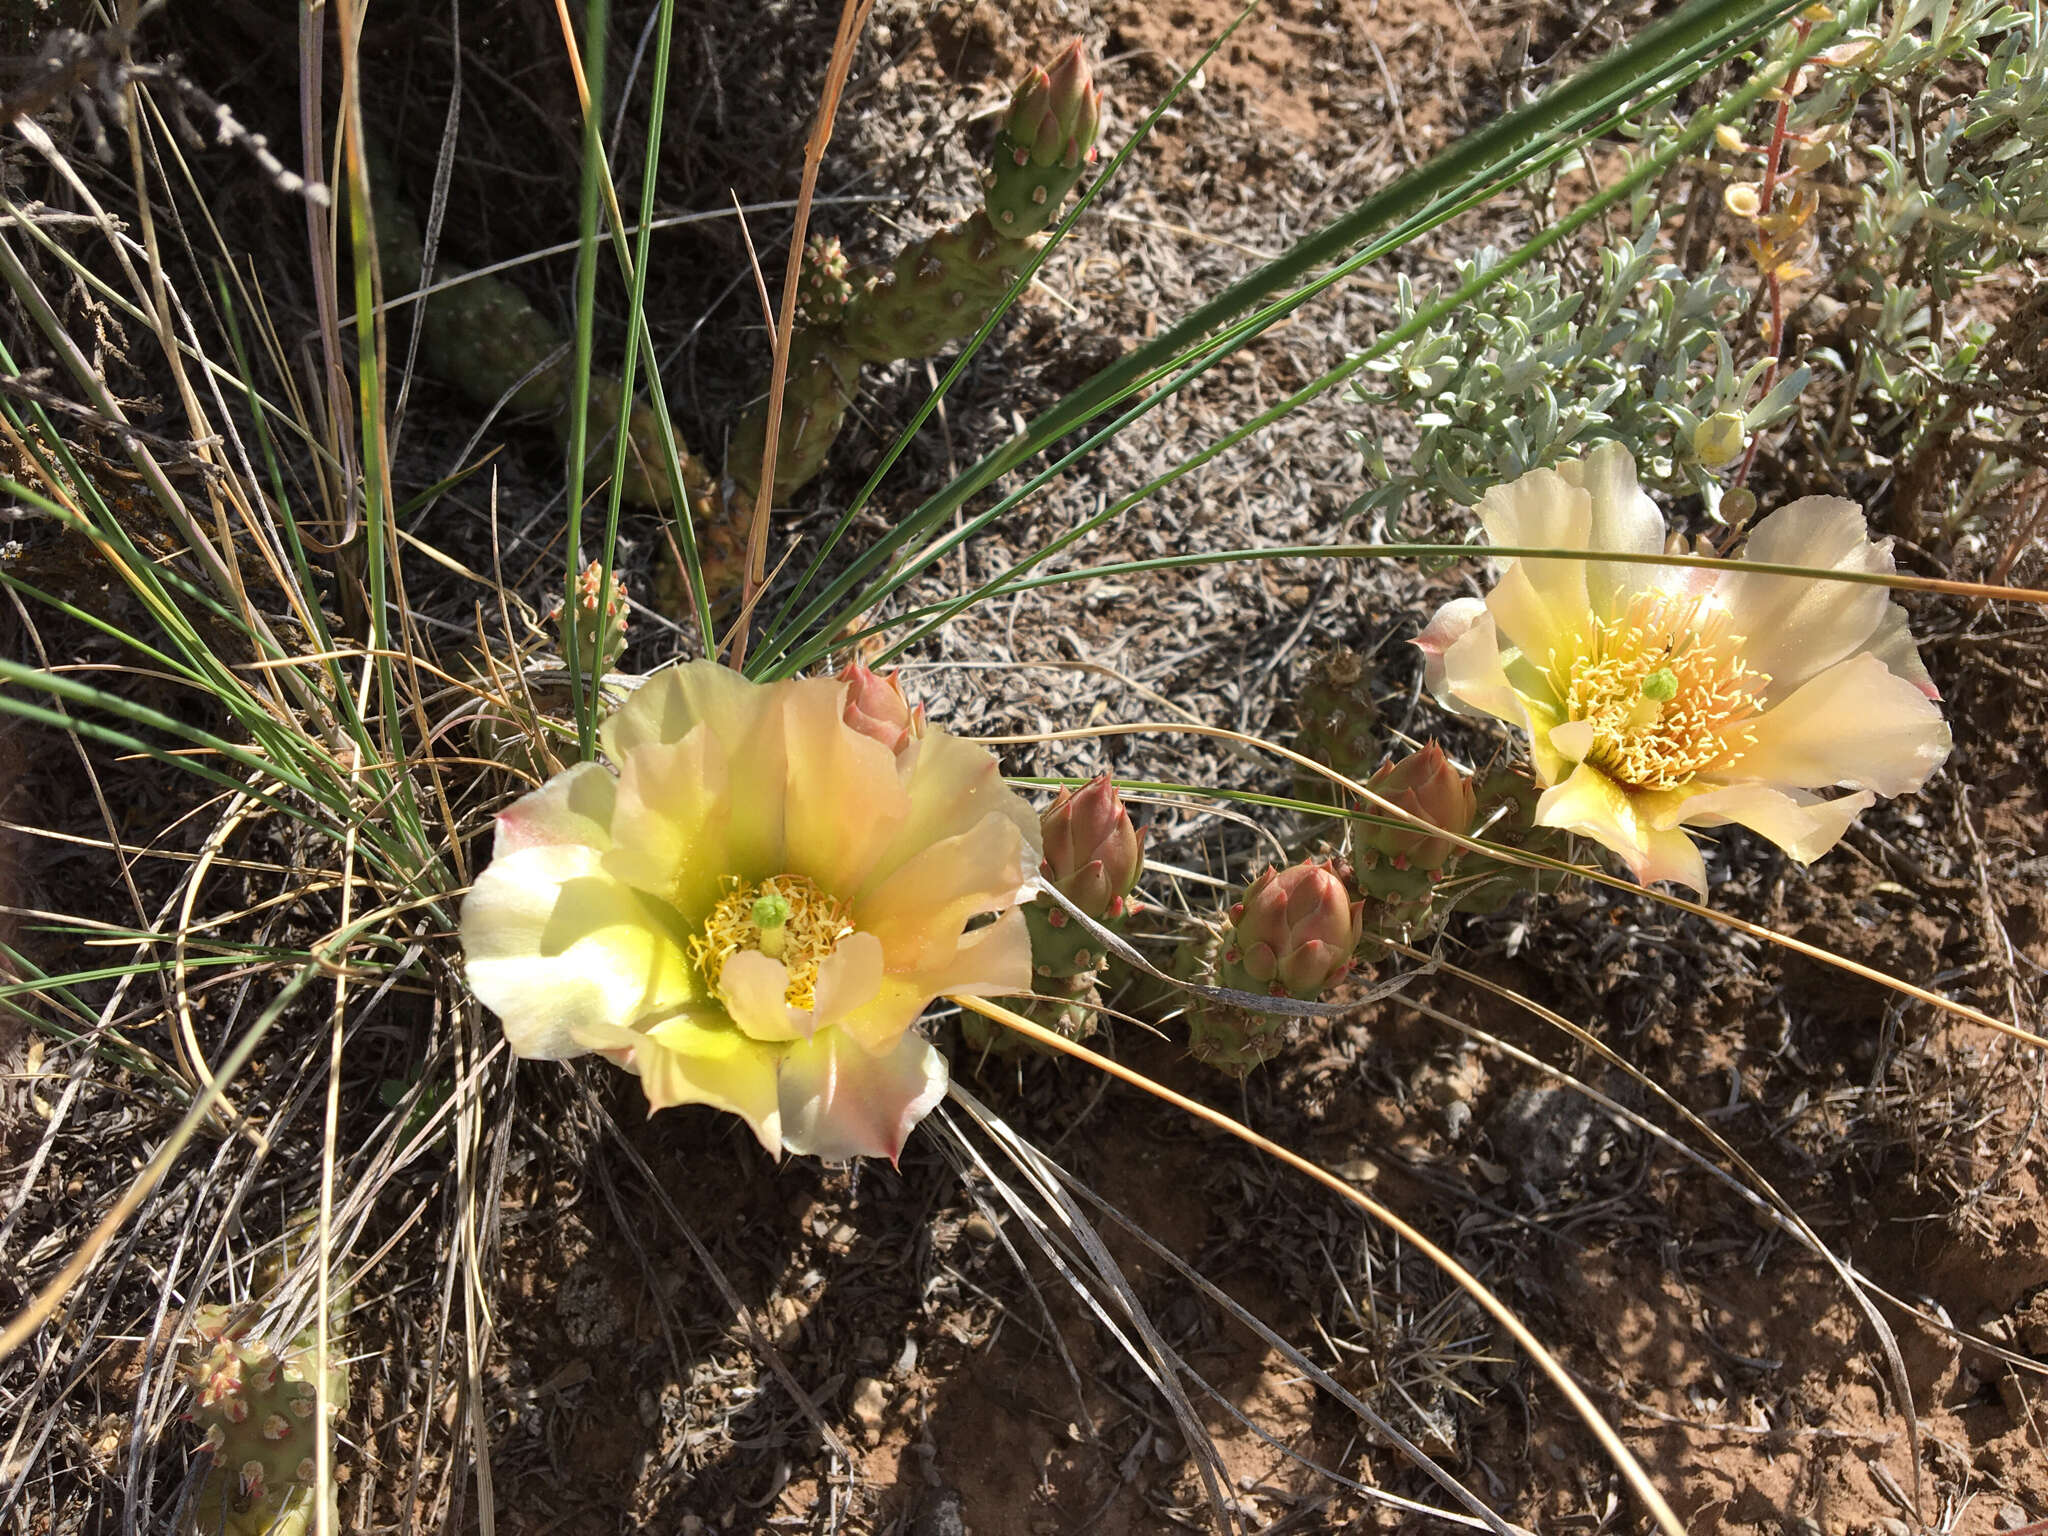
{"x":853,"y":18}
{"x":1624,"y":1459}
{"x":1161,"y":1365}
{"x":1047,"y":1174}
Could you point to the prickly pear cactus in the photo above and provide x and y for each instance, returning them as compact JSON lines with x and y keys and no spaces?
{"x":938,"y":290}
{"x":1293,"y":933}
{"x":1337,"y":724}
{"x":258,"y":1410}
{"x":1232,"y":1040}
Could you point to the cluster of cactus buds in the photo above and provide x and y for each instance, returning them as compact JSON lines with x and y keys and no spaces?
{"x":1093,"y":855}
{"x":1047,"y":139}
{"x":875,"y":706}
{"x":1337,"y":724}
{"x":826,"y":284}
{"x":597,"y":631}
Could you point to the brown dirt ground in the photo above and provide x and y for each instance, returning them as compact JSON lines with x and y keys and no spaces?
{"x":621,"y":1391}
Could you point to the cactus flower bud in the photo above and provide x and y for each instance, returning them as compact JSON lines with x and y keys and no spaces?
{"x":875,"y":706}
{"x":1048,"y":135}
{"x":600,"y":636}
{"x":1092,"y":852}
{"x":1427,"y":785}
{"x":1294,"y":932}
{"x":1720,"y":439}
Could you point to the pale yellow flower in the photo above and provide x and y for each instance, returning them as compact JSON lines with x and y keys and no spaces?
{"x":755,"y":907}
{"x":1658,"y":698}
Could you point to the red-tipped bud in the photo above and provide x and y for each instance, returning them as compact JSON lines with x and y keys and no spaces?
{"x":1055,"y":114}
{"x":875,"y":706}
{"x":600,"y":625}
{"x":1430,"y":786}
{"x":1092,"y":852}
{"x":1299,"y":929}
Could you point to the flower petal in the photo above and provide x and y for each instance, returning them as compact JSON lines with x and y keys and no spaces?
{"x":1591,"y":803}
{"x":845,"y":800}
{"x":954,"y":787}
{"x":556,"y":947}
{"x":838,"y":1101}
{"x":575,"y":806}
{"x":990,"y":961}
{"x":674,"y":701}
{"x":1797,"y":626}
{"x":850,"y":979}
{"x":745,"y":720}
{"x":1893,"y":645}
{"x":685,"y":1061}
{"x":755,"y":991}
{"x":1446,"y":628}
{"x":1539,"y":604}
{"x":1858,"y":725}
{"x":1625,"y":520}
{"x":920,"y":911}
{"x":671,"y":821}
{"x":1573,"y":739}
{"x":1474,"y":676}
{"x":1802,"y":824}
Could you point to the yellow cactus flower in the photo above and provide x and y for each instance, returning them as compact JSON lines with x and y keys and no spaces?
{"x":1660,"y":698}
{"x":754,"y":908}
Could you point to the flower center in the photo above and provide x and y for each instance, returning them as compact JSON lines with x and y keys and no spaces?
{"x":785,"y":917}
{"x":1665,"y":687}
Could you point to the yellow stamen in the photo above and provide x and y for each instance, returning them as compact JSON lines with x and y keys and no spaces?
{"x":785,"y":917}
{"x":1666,"y":688}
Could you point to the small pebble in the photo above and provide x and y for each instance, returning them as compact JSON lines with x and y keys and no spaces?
{"x":869,"y":1406}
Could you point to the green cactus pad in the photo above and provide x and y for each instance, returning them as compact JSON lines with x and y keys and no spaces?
{"x":938,"y":291}
{"x":1338,"y":725}
{"x":259,"y":1411}
{"x":1024,"y":197}
{"x":1066,"y":1005}
{"x":824,"y":378}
